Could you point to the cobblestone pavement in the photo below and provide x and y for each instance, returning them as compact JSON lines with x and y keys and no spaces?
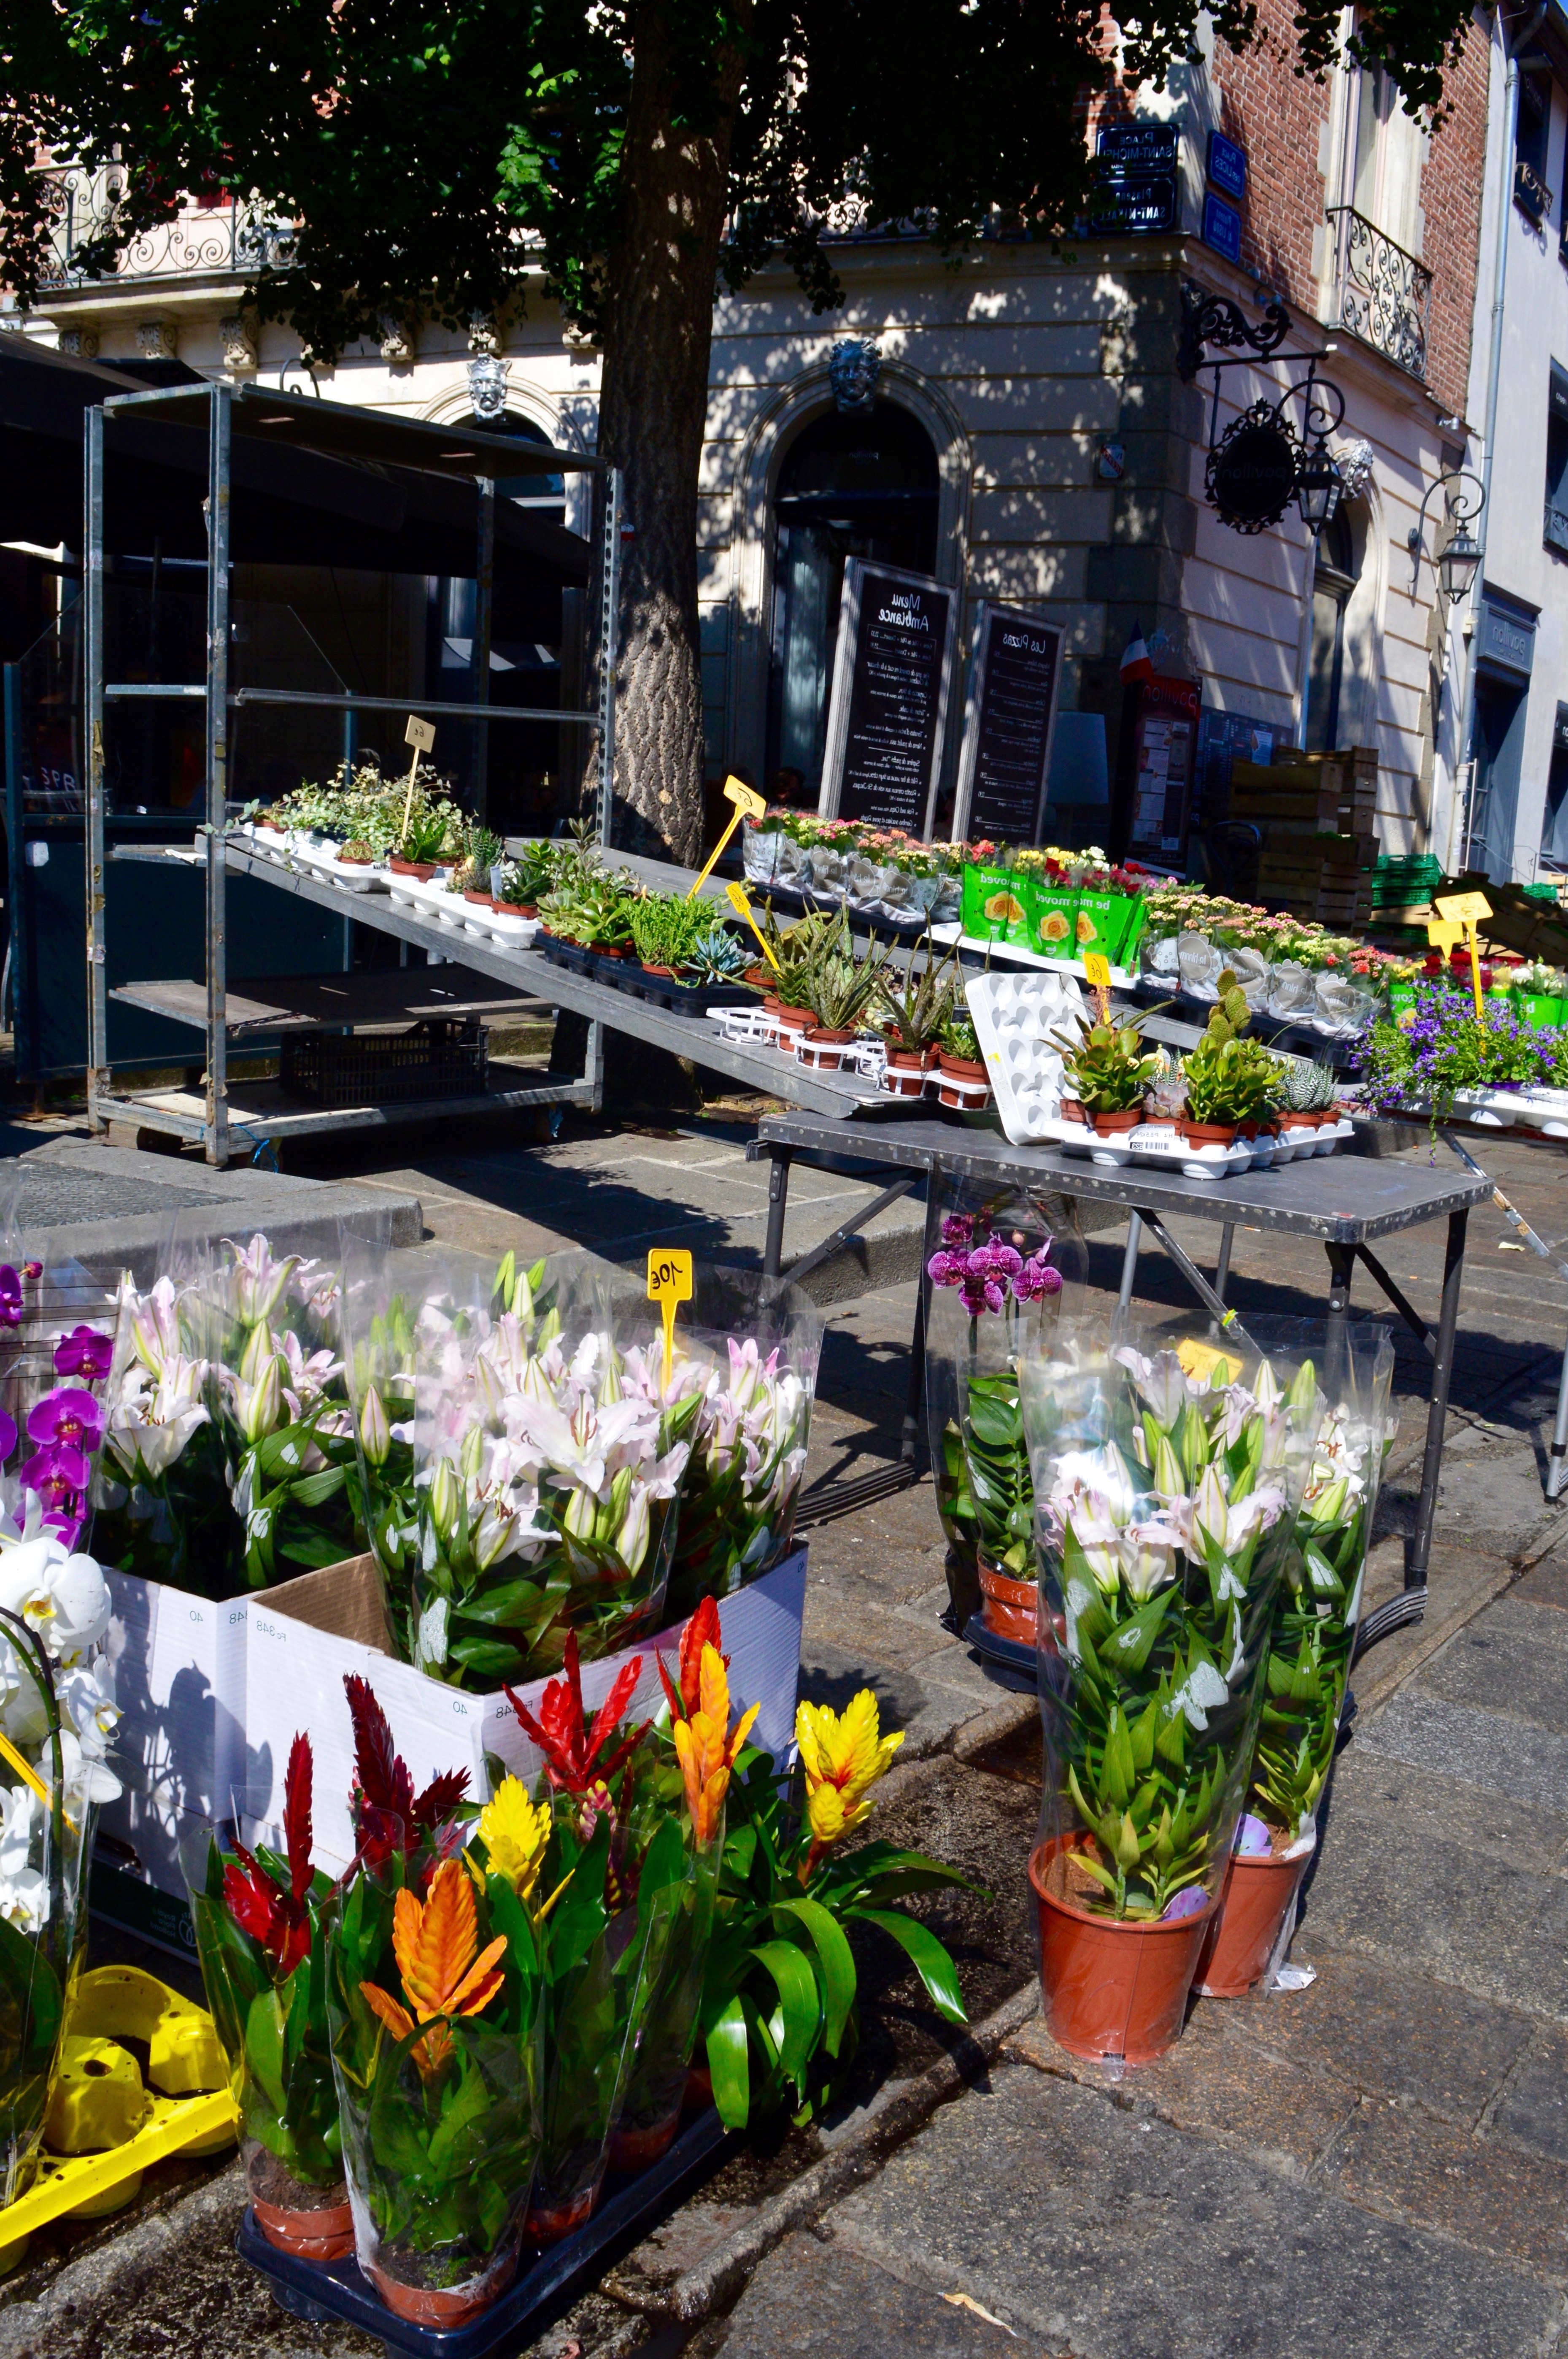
{"x":1378,"y":2165}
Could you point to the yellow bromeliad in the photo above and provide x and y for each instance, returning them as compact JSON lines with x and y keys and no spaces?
{"x":515,"y":1833}
{"x":843,"y":1757}
{"x":434,"y":1942}
{"x":707,"y":1750}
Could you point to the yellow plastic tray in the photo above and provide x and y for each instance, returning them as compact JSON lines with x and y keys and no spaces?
{"x":103,"y":2127}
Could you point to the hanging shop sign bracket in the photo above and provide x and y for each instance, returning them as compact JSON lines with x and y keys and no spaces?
{"x":1262,"y":462}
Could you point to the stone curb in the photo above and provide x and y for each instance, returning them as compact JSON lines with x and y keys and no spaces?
{"x":888,"y":2123}
{"x":86,"y":2282}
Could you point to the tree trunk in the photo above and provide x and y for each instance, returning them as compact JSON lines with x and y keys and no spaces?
{"x":653,"y":415}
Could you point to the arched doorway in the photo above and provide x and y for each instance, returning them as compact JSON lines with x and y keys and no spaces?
{"x":850,"y":484}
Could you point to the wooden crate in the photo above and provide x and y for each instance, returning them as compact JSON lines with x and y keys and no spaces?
{"x":1329,"y":792}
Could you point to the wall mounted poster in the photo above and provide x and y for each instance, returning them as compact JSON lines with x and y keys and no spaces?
{"x":888,"y":712}
{"x":1008,"y":721}
{"x":1159,"y":739}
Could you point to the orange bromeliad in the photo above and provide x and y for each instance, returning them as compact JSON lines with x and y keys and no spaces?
{"x":706,"y":1749}
{"x":434,"y":1942}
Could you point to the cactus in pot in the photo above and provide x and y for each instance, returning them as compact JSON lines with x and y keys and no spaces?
{"x":1306,"y":1088}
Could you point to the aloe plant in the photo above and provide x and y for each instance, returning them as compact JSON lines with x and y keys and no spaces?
{"x":840,"y":988}
{"x":917,"y":1012}
{"x":959,"y":1039}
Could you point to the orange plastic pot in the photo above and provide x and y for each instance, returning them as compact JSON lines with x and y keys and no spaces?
{"x":444,"y":2306}
{"x":1258,"y":1891}
{"x":1008,"y":1607}
{"x":326,"y":2233}
{"x":558,"y":2220}
{"x":1110,"y":1989}
{"x":635,"y":2149}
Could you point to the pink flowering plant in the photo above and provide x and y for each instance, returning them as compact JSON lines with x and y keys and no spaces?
{"x":986,"y":1476}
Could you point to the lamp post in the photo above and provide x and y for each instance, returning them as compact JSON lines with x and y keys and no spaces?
{"x":1455,"y":567}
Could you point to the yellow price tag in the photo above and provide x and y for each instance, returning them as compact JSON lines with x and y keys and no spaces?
{"x":1200,"y":1361}
{"x":1097,"y":968}
{"x":748,"y":804}
{"x":1444,"y":932}
{"x":736,"y":896}
{"x":1470,"y":908}
{"x":669,"y":1283}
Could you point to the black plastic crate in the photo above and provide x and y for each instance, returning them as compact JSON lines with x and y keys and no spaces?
{"x":322,"y":2292}
{"x":432,"y":1060}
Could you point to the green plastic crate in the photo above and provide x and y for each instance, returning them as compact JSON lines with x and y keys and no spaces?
{"x":1400,"y":880}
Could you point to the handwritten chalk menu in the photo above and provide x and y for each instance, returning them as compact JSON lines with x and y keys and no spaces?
{"x":1007,"y":727}
{"x":888,"y":712}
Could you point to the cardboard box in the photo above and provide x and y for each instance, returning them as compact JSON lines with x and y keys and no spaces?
{"x":179,"y":1681}
{"x":304,"y":1637}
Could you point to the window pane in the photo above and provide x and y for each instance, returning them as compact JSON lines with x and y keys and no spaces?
{"x":1323,"y":675}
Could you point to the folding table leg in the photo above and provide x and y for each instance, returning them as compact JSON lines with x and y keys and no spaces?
{"x":1130,"y":1259}
{"x":1222,"y":1267}
{"x":1557,"y":1463}
{"x":1420,"y":1548}
{"x":778,"y":1200}
{"x":914,"y":1399}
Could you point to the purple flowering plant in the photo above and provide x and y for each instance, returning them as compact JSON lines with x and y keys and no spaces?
{"x":1441,"y":1053}
{"x":988,"y":1474}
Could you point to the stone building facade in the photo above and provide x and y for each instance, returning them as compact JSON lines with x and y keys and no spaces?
{"x":1031,"y":439}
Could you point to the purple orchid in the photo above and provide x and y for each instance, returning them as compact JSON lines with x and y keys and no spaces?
{"x":67,"y":1529}
{"x":8,"y":1435}
{"x":1037,"y":1277}
{"x":959,"y":1230}
{"x":10,"y":1295}
{"x":83,"y":1353}
{"x":948,"y":1268}
{"x":996,"y":1258}
{"x":59,"y":1475}
{"x":68,"y":1417}
{"x":1190,"y":1901}
{"x":979,"y":1293}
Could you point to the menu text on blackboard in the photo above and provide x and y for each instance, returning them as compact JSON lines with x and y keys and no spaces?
{"x":1007,"y":727}
{"x":889,"y":704}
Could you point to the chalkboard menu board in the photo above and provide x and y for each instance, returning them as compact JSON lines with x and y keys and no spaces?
{"x":1007,"y":727}
{"x":889,"y":707}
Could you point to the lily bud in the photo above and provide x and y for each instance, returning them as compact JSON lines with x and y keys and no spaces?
{"x":581,"y":1517}
{"x":265,"y":1406}
{"x":473,"y":1455}
{"x":375,"y":1433}
{"x":444,"y":1498}
{"x":259,"y":1347}
{"x":522,"y":1298}
{"x":631,"y":1542}
{"x":1168,"y":1475}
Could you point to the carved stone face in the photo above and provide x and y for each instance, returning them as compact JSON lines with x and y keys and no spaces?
{"x":854,"y":366}
{"x":487,"y":387}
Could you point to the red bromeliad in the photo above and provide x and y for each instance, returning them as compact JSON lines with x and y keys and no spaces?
{"x":278,"y":1919}
{"x":702,"y":1630}
{"x":388,"y":1814}
{"x":572,"y":1750}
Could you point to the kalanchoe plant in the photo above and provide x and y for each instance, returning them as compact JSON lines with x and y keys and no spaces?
{"x":1166,"y":1505}
{"x":1106,"y":1064}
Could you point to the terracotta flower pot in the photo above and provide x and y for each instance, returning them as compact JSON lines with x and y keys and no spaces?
{"x":516,"y":908}
{"x":1110,"y":1989}
{"x":668,"y":972}
{"x":793,"y":1019}
{"x":482,"y":901}
{"x":823,"y":1046}
{"x":907,"y":1072}
{"x":1205,"y":1133}
{"x":1259,"y":1889}
{"x":1104,"y":1126}
{"x":1008,"y":1607}
{"x":549,"y":2226}
{"x":635,"y":2149}
{"x":962,"y":1083}
{"x":422,"y":869}
{"x":444,"y":2306}
{"x":355,"y":860}
{"x":324,"y":2234}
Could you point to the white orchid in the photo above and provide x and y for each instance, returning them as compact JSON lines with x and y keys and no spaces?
{"x":62,"y":1598}
{"x":24,"y":1890}
{"x":89,"y":1715}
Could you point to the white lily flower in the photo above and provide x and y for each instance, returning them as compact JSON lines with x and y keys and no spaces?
{"x":1162,"y":1382}
{"x":254,"y":1285}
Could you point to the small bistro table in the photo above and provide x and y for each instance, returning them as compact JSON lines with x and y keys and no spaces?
{"x":1345,"y":1201}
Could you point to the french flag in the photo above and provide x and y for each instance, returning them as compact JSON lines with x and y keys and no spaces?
{"x":1136,"y":662}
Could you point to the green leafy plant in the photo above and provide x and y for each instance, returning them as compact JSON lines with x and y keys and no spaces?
{"x":1231,"y":1081}
{"x":1305,"y":1085}
{"x":718,"y":956}
{"x":1107,"y":1065}
{"x":840,"y":988}
{"x":532,"y":874}
{"x":959,"y":1039}
{"x":779,"y":2002}
{"x":917,"y":1008}
{"x":665,"y":928}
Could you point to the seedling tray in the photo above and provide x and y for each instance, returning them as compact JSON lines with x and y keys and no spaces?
{"x":1009,"y":1655}
{"x":320,"y":2292}
{"x":627,"y":976}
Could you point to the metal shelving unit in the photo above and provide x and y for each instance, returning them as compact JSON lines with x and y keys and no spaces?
{"x":334,"y":431}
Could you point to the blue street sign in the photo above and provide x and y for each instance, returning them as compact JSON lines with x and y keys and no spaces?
{"x":1222,"y":227}
{"x":1226,"y":164}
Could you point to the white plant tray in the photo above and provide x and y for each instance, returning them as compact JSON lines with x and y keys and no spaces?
{"x":1155,"y":1146}
{"x":495,"y":926}
{"x":421,"y":893}
{"x":1543,"y":1110}
{"x":1014,"y":1016}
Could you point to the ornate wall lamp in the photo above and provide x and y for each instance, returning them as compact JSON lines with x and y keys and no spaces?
{"x":1457,"y":566}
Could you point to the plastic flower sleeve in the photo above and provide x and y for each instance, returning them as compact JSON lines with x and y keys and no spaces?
{"x":749,"y":1347}
{"x":1168,"y":1470}
{"x":384,"y":1294}
{"x":1318,"y":1607}
{"x":1003,"y":1269}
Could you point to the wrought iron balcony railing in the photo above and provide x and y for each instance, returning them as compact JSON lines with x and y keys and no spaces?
{"x":1381,"y":293}
{"x":228,"y":237}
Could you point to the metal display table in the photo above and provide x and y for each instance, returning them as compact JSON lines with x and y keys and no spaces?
{"x":1345,"y":1201}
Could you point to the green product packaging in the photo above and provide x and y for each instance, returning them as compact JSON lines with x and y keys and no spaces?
{"x":996,"y":905}
{"x":1104,"y":922}
{"x":1542,"y":1011}
{"x":1054,"y":913}
{"x":1401,"y":1004}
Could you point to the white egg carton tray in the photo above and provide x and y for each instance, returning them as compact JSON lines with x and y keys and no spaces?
{"x":1013,"y":1016}
{"x":499,"y":926}
{"x":315,"y":855}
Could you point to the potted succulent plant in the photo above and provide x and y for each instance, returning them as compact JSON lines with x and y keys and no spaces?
{"x":914,"y":1011}
{"x":1317,"y":1609}
{"x":1305,"y":1092}
{"x":1106,"y":1068}
{"x":963,"y":1082}
{"x":665,"y":928}
{"x":1166,"y":1484}
{"x":471,"y":873}
{"x":717,"y":957}
{"x":1231,"y":1082}
{"x":840,"y":990}
{"x":517,"y":886}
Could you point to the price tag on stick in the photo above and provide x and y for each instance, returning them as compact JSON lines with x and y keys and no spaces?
{"x":669,"y":1283}
{"x":1096,"y":972}
{"x":1469,"y":910}
{"x":421,"y":735}
{"x":736,"y":896}
{"x":748,"y":805}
